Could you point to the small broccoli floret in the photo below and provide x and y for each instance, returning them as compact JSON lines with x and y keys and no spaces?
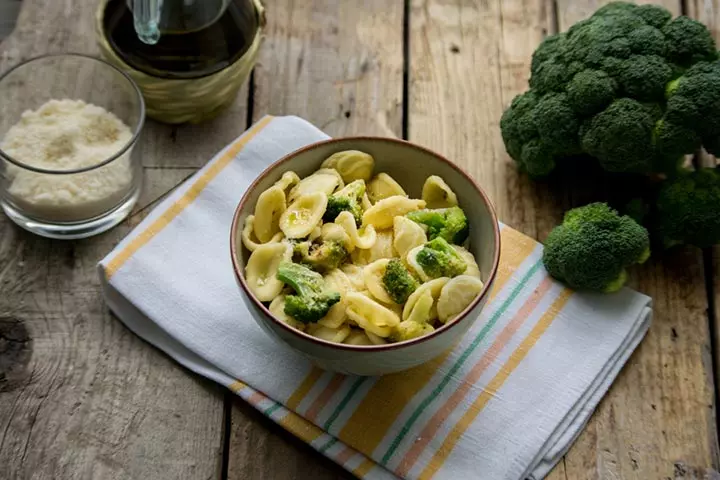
{"x":593,"y":247}
{"x":321,"y":257}
{"x":312,"y":300}
{"x":398,"y":281}
{"x":591,"y":91}
{"x":408,"y":329}
{"x":688,"y":209}
{"x":688,"y":41}
{"x":448,"y":223}
{"x":347,"y":199}
{"x":438,"y":259}
{"x":620,"y":137}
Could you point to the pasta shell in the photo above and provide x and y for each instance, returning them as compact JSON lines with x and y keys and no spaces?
{"x":336,"y":280}
{"x":248,"y":235}
{"x":382,"y":214}
{"x":370,"y":315}
{"x":357,"y":337}
{"x":373,"y":275}
{"x":277,"y":309}
{"x":268,"y":210}
{"x":365,"y":202}
{"x":261,"y":270}
{"x":288,"y":180}
{"x":382,"y":248}
{"x":434,"y":287}
{"x":411,"y":261}
{"x":456,"y":295}
{"x":376,"y":340}
{"x":472,"y":267}
{"x":332,"y":232}
{"x":437,"y":193}
{"x":335,"y":335}
{"x":364,"y":238}
{"x":303,"y":215}
{"x":354,"y":273}
{"x":383,"y":186}
{"x":351,"y":164}
{"x":420,"y":311}
{"x":315,"y":234}
{"x":325,"y":181}
{"x":407,"y":235}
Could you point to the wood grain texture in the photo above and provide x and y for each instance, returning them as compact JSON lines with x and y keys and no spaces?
{"x":339,"y":65}
{"x":660,"y":411}
{"x":80,"y":395}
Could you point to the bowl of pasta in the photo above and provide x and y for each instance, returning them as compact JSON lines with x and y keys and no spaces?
{"x":367,"y":255}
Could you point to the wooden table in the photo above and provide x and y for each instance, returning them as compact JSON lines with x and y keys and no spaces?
{"x":82,"y":397}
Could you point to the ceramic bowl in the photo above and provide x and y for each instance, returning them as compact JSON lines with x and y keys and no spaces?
{"x":410,"y":165}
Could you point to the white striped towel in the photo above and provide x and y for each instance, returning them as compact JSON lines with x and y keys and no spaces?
{"x":505,"y":403}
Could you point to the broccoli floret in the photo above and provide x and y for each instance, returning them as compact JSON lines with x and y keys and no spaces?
{"x":408,"y":329}
{"x":323,"y":256}
{"x":593,"y":247}
{"x":347,"y":199}
{"x":688,"y":209}
{"x":312,"y":300}
{"x":450,"y":224}
{"x":398,"y":281}
{"x":600,"y":89}
{"x":438,"y":259}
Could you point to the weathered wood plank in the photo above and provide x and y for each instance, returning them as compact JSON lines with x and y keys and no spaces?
{"x":83,"y":397}
{"x":660,"y":410}
{"x":338,"y":65}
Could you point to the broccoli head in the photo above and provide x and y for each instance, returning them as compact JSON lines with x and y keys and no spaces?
{"x":347,"y":199}
{"x":321,"y":257}
{"x":629,"y":86}
{"x":593,"y":247}
{"x":437,"y":258}
{"x":312,"y":299}
{"x":688,"y":209}
{"x":398,"y":281}
{"x":408,"y":329}
{"x":448,"y":223}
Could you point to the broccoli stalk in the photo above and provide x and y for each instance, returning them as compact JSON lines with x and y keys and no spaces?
{"x":321,"y":257}
{"x":448,"y":223}
{"x":348,"y":199}
{"x":438,"y":258}
{"x":398,"y":281}
{"x":312,"y":300}
{"x":593,"y":247}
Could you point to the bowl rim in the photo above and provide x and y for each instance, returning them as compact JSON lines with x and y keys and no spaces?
{"x":235,"y":231}
{"x":135,"y":134}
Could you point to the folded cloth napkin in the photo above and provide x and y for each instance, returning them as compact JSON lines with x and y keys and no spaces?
{"x":505,"y":403}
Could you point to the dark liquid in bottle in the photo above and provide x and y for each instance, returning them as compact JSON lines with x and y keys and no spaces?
{"x":188,"y":52}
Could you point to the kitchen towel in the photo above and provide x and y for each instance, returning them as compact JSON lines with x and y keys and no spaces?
{"x":506,"y":403}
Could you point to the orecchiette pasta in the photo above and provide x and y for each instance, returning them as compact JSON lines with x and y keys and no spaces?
{"x":261,"y":270}
{"x":456,"y":295}
{"x":268,"y":210}
{"x":370,"y":315}
{"x":248,"y":235}
{"x":382,"y":214}
{"x":351,"y":164}
{"x":383,"y":186}
{"x":325,"y":181}
{"x":437,"y":193}
{"x":303,"y":215}
{"x":407,"y":235}
{"x":333,"y":259}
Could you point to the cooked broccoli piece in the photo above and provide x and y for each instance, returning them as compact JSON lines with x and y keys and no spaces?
{"x":593,"y":247}
{"x":688,"y":209}
{"x":347,"y":199}
{"x":321,"y":257}
{"x":312,"y":300}
{"x":408,"y":329}
{"x":398,"y":281}
{"x":438,"y":258}
{"x":448,"y":223}
{"x":628,"y":86}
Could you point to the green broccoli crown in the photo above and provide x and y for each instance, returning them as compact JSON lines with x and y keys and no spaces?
{"x":312,"y":300}
{"x":593,"y":247}
{"x":688,"y":209}
{"x":398,"y":281}
{"x":600,"y":89}
{"x":347,"y":199}
{"x":439,"y":259}
{"x":448,"y":223}
{"x":408,"y":329}
{"x":323,"y":256}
